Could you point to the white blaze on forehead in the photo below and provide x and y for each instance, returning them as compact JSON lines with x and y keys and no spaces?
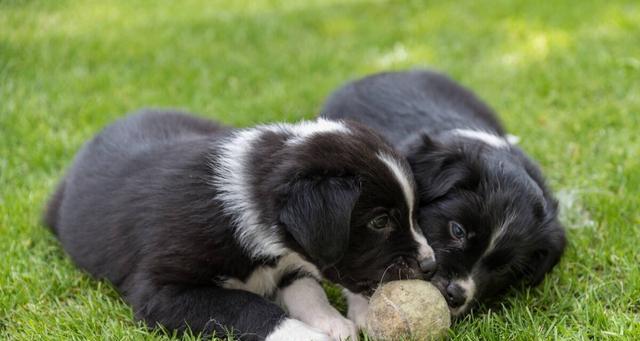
{"x":468,"y":285}
{"x":488,"y":138}
{"x":424,"y":250}
{"x":405,"y":179}
{"x":402,"y":175}
{"x":499,"y":232}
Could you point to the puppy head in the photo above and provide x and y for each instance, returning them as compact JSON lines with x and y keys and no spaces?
{"x":349,"y":204}
{"x":488,"y":215}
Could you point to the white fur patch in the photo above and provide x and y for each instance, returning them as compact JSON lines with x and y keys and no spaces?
{"x":488,"y":138}
{"x":301,"y":131}
{"x":424,"y":250}
{"x":513,"y":139}
{"x":402,"y":175}
{"x":293,"y":330}
{"x":405,"y":179}
{"x":264,"y":280}
{"x":499,"y":232}
{"x":232,"y":181}
{"x":306,"y":301}
{"x":358,"y":307}
{"x":469,"y":287}
{"x":469,"y":284}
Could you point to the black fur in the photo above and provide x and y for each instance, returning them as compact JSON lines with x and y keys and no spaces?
{"x":461,"y":179}
{"x":141,"y":207}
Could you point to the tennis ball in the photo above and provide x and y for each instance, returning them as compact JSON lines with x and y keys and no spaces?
{"x":411,"y":309}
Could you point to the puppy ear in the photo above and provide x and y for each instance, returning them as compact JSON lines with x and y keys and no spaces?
{"x":317,"y":213}
{"x":545,"y":259}
{"x":533,"y":170}
{"x":420,"y":145}
{"x":555,"y":241}
{"x":438,"y":169}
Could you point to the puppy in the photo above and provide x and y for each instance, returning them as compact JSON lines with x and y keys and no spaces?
{"x":484,"y":205}
{"x":205,"y":227}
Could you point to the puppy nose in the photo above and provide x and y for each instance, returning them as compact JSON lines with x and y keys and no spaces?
{"x":428,"y":267}
{"x":455,"y":295}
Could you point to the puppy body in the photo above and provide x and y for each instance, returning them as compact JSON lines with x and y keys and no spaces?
{"x":205,"y":227}
{"x":484,"y":205}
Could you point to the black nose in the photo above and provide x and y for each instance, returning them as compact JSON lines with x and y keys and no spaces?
{"x":428,"y":267}
{"x":455,"y":295}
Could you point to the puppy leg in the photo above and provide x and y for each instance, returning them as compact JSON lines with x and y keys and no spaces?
{"x":358,"y":306}
{"x":217,"y":311}
{"x":306,"y":301}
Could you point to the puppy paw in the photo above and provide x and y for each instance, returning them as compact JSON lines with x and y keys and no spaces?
{"x":358,"y":306}
{"x":293,"y":330}
{"x":358,"y":316}
{"x":338,"y":327}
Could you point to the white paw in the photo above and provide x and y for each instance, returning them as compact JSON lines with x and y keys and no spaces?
{"x":358,"y":306}
{"x":337,"y":326}
{"x":294,"y":330}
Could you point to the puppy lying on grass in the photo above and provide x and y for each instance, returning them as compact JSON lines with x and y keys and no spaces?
{"x":215,"y":229}
{"x":483,"y":204}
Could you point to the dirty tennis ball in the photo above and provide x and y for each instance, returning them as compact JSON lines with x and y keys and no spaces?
{"x":411,"y":309}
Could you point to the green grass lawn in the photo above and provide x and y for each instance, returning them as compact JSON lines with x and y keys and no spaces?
{"x":565,"y":76}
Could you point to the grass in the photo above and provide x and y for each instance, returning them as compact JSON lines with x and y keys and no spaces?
{"x":564,"y":75}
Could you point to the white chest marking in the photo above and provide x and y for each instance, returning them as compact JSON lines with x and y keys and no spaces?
{"x":232,"y":180}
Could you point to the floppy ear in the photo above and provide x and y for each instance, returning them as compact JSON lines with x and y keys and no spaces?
{"x":545,"y":259}
{"x":533,"y":170}
{"x":317,"y":213}
{"x":555,"y":239}
{"x":438,"y":169}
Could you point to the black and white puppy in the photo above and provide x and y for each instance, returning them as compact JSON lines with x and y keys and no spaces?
{"x":216,"y":229}
{"x":483,"y":204}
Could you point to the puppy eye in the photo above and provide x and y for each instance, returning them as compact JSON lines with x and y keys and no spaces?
{"x":379,"y":222}
{"x":457,"y":231}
